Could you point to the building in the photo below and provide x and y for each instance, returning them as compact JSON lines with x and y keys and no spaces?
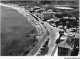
{"x":68,"y":47}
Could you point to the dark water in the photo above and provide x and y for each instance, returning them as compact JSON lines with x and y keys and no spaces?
{"x":14,"y":29}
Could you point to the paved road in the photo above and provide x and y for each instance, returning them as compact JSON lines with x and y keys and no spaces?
{"x":45,"y":29}
{"x":53,"y":36}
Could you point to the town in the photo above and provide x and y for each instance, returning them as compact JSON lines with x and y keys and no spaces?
{"x":51,"y":14}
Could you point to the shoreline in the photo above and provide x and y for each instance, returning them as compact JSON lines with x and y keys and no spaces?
{"x":18,"y":9}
